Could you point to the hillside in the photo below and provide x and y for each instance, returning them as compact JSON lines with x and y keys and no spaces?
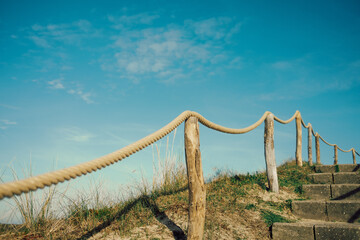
{"x":238,"y":207}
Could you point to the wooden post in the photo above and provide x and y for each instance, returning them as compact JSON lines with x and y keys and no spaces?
{"x":335,"y":155}
{"x":317,"y":146}
{"x":310,"y":145}
{"x":354,"y":157}
{"x":270,"y":154}
{"x":298,"y":141}
{"x":197,"y":191}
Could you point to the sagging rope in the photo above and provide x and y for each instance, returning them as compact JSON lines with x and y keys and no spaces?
{"x":33,"y":183}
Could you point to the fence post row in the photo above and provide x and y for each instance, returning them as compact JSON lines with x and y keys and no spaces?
{"x":335,"y":155}
{"x":270,"y":154}
{"x":354,"y":157}
{"x":197,"y":190}
{"x":310,"y":145}
{"x":298,"y":140}
{"x":317,"y":146}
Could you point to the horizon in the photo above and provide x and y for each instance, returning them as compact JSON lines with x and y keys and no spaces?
{"x":83,"y":79}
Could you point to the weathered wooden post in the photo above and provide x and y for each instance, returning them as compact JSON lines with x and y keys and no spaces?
{"x":197,"y":191}
{"x":317,"y":146}
{"x":270,"y":154}
{"x":335,"y":155}
{"x":354,"y":157}
{"x":298,"y":141}
{"x":310,"y":145}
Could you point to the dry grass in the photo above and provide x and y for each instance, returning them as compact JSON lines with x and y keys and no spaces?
{"x":238,"y":207}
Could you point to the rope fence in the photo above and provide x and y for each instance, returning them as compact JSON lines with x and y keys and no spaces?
{"x":197,"y":193}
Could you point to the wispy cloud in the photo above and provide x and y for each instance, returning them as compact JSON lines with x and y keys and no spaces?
{"x":299,"y":78}
{"x":84,"y":96}
{"x":76,"y":134}
{"x":214,"y":28}
{"x":126,"y":21}
{"x":47,"y":36}
{"x":171,"y":52}
{"x":40,"y":41}
{"x":4,"y":123}
{"x":57,"y":84}
{"x":282,"y":65}
{"x":8,"y":106}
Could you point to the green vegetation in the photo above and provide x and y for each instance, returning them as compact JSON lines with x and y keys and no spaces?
{"x":239,"y":206}
{"x":270,"y":217}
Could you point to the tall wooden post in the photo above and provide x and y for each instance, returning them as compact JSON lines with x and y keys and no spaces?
{"x":354,"y":157}
{"x":197,"y":191}
{"x":310,"y":145}
{"x":317,"y":146}
{"x":335,"y":155}
{"x":270,"y":154}
{"x":298,"y":141}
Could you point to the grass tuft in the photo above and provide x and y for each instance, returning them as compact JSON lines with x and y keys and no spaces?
{"x":270,"y":217}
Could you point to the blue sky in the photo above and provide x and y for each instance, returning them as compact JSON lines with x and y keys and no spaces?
{"x":80,"y":79}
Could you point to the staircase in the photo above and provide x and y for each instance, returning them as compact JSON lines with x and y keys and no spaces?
{"x":333,"y":211}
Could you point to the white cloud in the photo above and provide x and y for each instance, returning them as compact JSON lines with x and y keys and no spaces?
{"x":210,"y":28}
{"x":4,"y":123}
{"x":8,"y":106}
{"x":82,"y":95}
{"x":56,"y":83}
{"x":41,"y":42}
{"x":47,"y":35}
{"x":236,"y":63}
{"x":125,"y":21}
{"x":215,"y":28}
{"x":282,"y":65}
{"x":172,"y":52}
{"x":76,"y":134}
{"x":66,"y":68}
{"x":7,"y":122}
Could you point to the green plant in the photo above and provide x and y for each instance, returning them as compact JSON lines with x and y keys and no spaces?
{"x":35,"y":209}
{"x":250,"y":206}
{"x":290,"y":175}
{"x":256,"y":178}
{"x":270,"y":217}
{"x":169,"y":173}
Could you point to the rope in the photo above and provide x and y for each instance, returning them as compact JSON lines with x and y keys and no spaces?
{"x":33,"y":183}
{"x":314,"y":134}
{"x":219,"y":128}
{"x":344,"y":150}
{"x":336,"y":146}
{"x":326,"y":142}
{"x":305,"y":126}
{"x":50,"y":178}
{"x":297,"y":113}
{"x":47,"y":179}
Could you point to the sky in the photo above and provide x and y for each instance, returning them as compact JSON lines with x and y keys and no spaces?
{"x":81,"y":79}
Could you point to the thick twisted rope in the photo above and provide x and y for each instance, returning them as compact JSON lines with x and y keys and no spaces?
{"x":330,"y":144}
{"x":296,"y":114}
{"x":219,"y":128}
{"x":50,"y":178}
{"x":47,"y":179}
{"x":31,"y":184}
